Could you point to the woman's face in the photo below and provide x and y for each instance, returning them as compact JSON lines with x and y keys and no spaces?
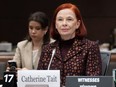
{"x":66,"y":23}
{"x":35,"y":31}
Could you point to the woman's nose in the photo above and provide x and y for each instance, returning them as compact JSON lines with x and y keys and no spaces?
{"x":33,"y":31}
{"x":64,"y":23}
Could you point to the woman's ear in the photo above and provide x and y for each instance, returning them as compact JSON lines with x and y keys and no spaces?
{"x":46,"y":29}
{"x":78,"y":24}
{"x":55,"y":26}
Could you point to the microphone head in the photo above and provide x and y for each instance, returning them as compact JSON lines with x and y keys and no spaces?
{"x":12,"y":68}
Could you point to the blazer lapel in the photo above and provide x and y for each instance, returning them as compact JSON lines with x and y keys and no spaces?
{"x":28,"y":54}
{"x":77,"y":48}
{"x":57,"y":54}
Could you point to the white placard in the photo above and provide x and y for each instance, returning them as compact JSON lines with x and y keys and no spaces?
{"x":38,"y":78}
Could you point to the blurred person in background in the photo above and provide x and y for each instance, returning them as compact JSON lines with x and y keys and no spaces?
{"x":28,"y":51}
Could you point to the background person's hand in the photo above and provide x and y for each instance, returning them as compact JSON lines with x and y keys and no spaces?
{"x":8,"y":69}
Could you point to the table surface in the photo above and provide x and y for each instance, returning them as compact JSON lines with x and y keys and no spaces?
{"x":5,"y":56}
{"x":113,"y":57}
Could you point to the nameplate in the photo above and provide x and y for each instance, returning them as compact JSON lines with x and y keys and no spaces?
{"x":89,"y":81}
{"x":38,"y":78}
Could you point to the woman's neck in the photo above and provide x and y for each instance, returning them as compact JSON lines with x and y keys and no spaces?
{"x":68,"y":37}
{"x":37,"y":44}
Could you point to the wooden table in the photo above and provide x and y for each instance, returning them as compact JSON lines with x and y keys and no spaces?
{"x":113,"y":57}
{"x":5,"y":56}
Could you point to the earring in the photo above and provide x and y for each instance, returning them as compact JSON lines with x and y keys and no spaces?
{"x":45,"y":33}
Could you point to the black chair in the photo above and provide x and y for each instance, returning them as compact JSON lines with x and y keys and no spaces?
{"x":3,"y":66}
{"x":105,"y":56}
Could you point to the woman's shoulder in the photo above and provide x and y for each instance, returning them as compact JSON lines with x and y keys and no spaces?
{"x":23,"y":43}
{"x":87,"y":41}
{"x":50,"y":46}
{"x":91,"y":43}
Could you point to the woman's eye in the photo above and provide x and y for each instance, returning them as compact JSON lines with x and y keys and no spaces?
{"x":59,"y":19}
{"x":38,"y":28}
{"x":69,"y":19}
{"x":30,"y":27}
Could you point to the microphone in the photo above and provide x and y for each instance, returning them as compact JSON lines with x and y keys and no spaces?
{"x":53,"y":52}
{"x":12,"y":64}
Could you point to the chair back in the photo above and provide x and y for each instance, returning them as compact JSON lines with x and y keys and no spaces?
{"x":105,"y":56}
{"x":3,"y":66}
